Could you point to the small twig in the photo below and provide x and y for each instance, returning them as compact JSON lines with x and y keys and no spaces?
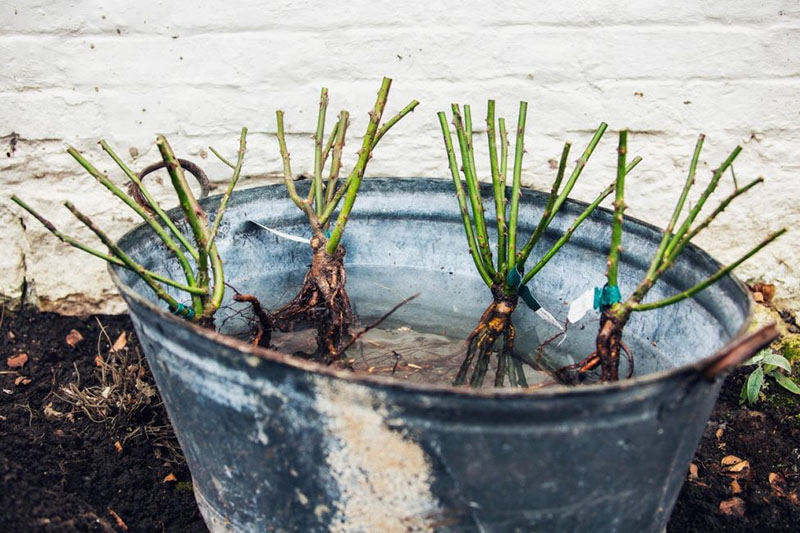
{"x":219,"y":156}
{"x":377,"y":322}
{"x":223,"y":203}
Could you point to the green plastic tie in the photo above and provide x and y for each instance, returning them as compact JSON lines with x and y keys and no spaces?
{"x":514,"y":279}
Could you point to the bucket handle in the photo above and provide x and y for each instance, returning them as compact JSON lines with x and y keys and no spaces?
{"x":739,"y":351}
{"x":191,"y":168}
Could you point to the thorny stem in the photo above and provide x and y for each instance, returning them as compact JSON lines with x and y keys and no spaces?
{"x":151,"y":201}
{"x":317,"y":185}
{"x":394,"y":120}
{"x":579,"y":166}
{"x":219,"y":156}
{"x":361,"y":165}
{"x":462,"y":201}
{"x":720,"y":208}
{"x":288,"y":180}
{"x":329,"y":145}
{"x":515,"y":186}
{"x":710,"y":281}
{"x":499,"y":187}
{"x":198,"y":222}
{"x":701,"y":201}
{"x":619,"y":209}
{"x":117,"y":251}
{"x":151,"y":221}
{"x":336,"y":161}
{"x":577,"y":222}
{"x":109,"y":258}
{"x":523,"y":254}
{"x":662,"y":247}
{"x":473,"y":188}
{"x":567,"y":234}
{"x":223,"y":203}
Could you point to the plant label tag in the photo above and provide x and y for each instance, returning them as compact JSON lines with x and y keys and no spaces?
{"x":547,"y":317}
{"x":581,"y":305}
{"x":282,"y":234}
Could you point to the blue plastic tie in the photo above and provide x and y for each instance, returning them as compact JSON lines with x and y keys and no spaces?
{"x":606,"y":296}
{"x":182,"y":310}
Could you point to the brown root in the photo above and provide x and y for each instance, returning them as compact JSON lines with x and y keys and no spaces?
{"x":265,"y":323}
{"x":322,"y":301}
{"x":494,"y":322}
{"x":609,"y":342}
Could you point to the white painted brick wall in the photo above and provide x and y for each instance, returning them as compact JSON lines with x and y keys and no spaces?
{"x":74,"y":72}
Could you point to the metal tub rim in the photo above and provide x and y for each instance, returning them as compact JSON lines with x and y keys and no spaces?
{"x":560,"y":391}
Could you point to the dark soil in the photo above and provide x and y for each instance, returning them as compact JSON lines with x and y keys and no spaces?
{"x":60,"y":471}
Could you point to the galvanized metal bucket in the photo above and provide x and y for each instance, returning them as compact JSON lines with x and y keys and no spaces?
{"x":276,"y":443}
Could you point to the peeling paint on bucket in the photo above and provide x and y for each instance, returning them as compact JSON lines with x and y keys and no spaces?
{"x":383,"y":476}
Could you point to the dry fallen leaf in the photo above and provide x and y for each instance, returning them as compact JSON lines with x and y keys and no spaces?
{"x":74,"y":337}
{"x":120,"y":343}
{"x":118,"y":519}
{"x":766,"y":290}
{"x":693,"y":472}
{"x":758,"y":297}
{"x":735,"y":487}
{"x":730,"y":460}
{"x":22,"y":380}
{"x":733,"y":507}
{"x":98,"y":360}
{"x":170,"y":478}
{"x":738,"y":467}
{"x":719,"y":433}
{"x":118,"y":446}
{"x":17,"y":361}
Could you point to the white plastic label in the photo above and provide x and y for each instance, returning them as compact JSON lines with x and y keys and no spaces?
{"x":581,"y":305}
{"x":547,"y":317}
{"x":282,"y":234}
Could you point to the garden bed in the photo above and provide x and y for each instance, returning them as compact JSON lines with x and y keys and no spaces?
{"x":86,"y":445}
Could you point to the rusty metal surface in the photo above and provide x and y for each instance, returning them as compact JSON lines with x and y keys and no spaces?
{"x":277,"y":443}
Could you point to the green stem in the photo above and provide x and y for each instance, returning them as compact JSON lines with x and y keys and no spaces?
{"x":392,"y":121}
{"x":523,"y":254}
{"x":109,"y":258}
{"x":197,"y":220}
{"x":577,"y":222}
{"x":219,"y":156}
{"x":336,"y":161}
{"x":499,"y":187}
{"x":515,"y":186}
{"x":317,"y":185}
{"x":676,"y":239}
{"x":139,"y":210}
{"x":720,"y":208}
{"x":329,"y":145}
{"x":710,"y":281}
{"x":117,"y":251}
{"x":361,"y":166}
{"x":576,"y":172}
{"x":288,"y":179}
{"x":464,"y":134}
{"x":568,"y":234}
{"x":619,"y":209}
{"x":151,"y":201}
{"x":223,"y":203}
{"x":462,"y":201}
{"x":690,"y":179}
